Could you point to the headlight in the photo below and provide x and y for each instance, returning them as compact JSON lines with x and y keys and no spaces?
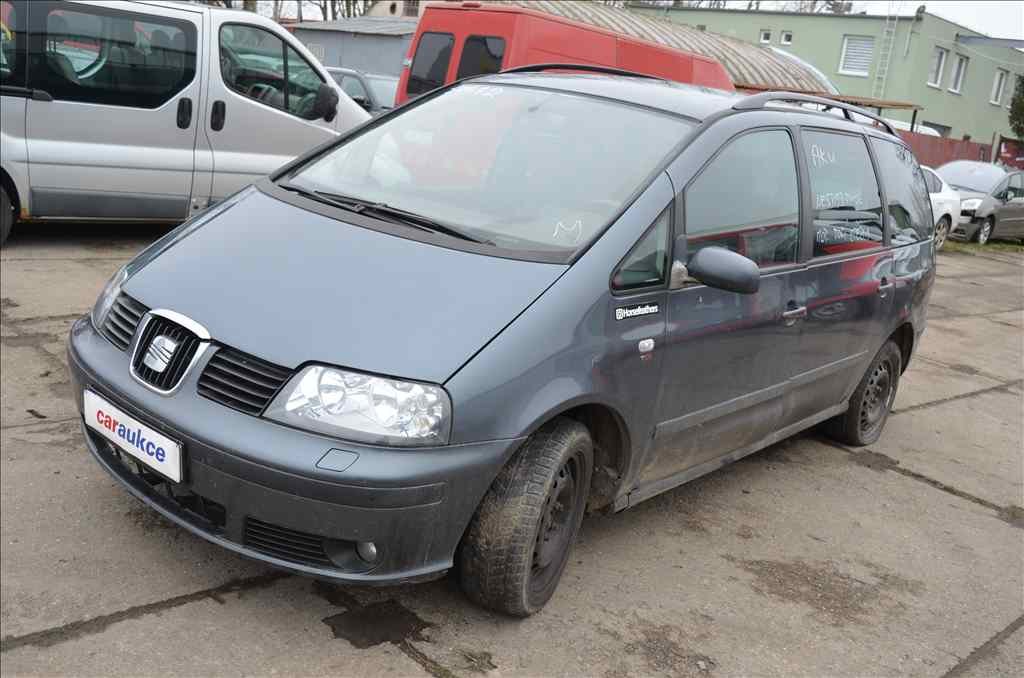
{"x":363,"y":407}
{"x":107,"y":297}
{"x":970,"y":204}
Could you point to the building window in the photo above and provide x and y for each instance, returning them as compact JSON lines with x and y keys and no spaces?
{"x":959,"y":74}
{"x":943,"y":130}
{"x":998,"y":85}
{"x":786,"y":38}
{"x":766,"y":36}
{"x":411,"y":8}
{"x":937,"y":67}
{"x":858,"y":51}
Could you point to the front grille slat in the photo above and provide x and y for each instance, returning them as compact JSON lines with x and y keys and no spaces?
{"x":241,"y":381}
{"x":122,"y":321}
{"x":186,"y":345}
{"x":285,"y":543}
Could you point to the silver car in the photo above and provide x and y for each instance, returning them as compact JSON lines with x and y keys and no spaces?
{"x":991,"y":201}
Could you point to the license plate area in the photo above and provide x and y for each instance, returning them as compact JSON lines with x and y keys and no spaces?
{"x":143,"y":443}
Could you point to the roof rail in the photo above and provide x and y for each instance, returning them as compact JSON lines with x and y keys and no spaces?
{"x":537,"y":68}
{"x":758,"y":101}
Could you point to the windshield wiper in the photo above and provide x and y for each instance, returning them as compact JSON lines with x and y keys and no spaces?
{"x":360,"y":206}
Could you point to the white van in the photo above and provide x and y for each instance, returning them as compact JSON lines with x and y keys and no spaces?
{"x":150,"y":110}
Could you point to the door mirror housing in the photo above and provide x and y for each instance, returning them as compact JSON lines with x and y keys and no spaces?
{"x":721,"y":268}
{"x":326,"y":104}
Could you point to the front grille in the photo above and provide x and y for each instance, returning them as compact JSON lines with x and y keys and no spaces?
{"x":122,"y":321}
{"x":186,"y":345}
{"x":285,"y":543}
{"x":241,"y":381}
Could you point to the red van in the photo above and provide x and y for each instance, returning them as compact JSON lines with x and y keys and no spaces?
{"x":457,"y":40}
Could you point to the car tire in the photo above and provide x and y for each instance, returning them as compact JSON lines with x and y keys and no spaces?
{"x":871,"y":401}
{"x":6,"y":215}
{"x":942,"y":232}
{"x":520,"y":538}
{"x":986,"y":231}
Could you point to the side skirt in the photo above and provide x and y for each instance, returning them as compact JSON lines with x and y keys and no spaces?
{"x":656,"y":487}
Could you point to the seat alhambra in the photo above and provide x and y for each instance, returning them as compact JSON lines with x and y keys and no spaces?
{"x":445,"y":337}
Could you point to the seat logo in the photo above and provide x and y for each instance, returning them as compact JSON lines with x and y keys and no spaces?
{"x":159,"y":353}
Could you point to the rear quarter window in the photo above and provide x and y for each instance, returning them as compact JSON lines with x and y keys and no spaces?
{"x":481,"y":54}
{"x":910,"y":210}
{"x":430,"y":64}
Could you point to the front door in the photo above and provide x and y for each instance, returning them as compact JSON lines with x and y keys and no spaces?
{"x":727,"y":354}
{"x":1010,"y":215}
{"x":259,"y":113}
{"x":114,"y":137}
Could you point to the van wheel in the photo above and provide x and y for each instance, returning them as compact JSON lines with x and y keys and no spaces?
{"x":984,"y":233}
{"x":941,"y":232}
{"x":519,"y":541}
{"x":6,"y":215}
{"x":871,"y":402}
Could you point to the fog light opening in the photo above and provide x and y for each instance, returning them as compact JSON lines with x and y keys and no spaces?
{"x":367,"y":550}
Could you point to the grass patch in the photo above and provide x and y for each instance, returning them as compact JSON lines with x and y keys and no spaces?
{"x":973,"y":248}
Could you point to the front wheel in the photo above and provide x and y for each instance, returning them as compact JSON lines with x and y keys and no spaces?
{"x":871,"y":401}
{"x":985,"y":232}
{"x":519,"y":541}
{"x":941,"y":232}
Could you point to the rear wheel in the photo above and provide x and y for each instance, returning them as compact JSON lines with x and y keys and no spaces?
{"x":942,"y":232}
{"x":985,"y":232}
{"x":519,"y":541}
{"x":6,"y":215}
{"x":871,"y":401}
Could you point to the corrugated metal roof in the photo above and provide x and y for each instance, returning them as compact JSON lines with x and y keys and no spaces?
{"x":746,"y":63}
{"x":370,"y":25}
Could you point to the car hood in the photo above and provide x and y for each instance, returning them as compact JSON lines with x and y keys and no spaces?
{"x":291,"y":286}
{"x":966,"y":194}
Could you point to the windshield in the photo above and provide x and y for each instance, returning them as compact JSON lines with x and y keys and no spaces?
{"x":384,"y":89}
{"x":980,"y":177}
{"x":516,"y":167}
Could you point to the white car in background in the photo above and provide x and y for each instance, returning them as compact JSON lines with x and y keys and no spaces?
{"x":945,"y":205}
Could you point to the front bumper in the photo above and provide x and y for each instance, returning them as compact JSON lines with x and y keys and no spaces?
{"x":253,"y":486}
{"x":966,"y":227}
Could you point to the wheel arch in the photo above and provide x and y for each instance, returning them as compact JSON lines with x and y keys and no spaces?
{"x":903,"y":336}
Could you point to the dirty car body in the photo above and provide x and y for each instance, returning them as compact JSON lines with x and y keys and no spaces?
{"x":357,"y":353}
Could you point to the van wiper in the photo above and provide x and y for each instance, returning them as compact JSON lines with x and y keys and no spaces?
{"x":360,"y":206}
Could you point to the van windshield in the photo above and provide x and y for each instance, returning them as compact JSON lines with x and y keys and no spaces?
{"x":516,"y":167}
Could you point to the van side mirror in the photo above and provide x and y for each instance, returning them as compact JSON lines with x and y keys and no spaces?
{"x":721,"y":268}
{"x":326,"y":104}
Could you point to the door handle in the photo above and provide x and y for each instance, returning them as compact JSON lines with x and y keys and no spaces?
{"x":217,"y":115}
{"x":793,"y":313}
{"x":184,"y":113}
{"x":885,"y":287}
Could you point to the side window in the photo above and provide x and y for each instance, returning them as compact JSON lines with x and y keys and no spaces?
{"x":12,"y":41}
{"x":747,"y":200}
{"x":259,"y":65}
{"x":430,"y":64}
{"x":354,"y":89}
{"x":1016,"y":187}
{"x":481,"y":54}
{"x":103,"y":56}
{"x":844,"y":193}
{"x":647,"y":263}
{"x":910,"y":210}
{"x":932,"y":182}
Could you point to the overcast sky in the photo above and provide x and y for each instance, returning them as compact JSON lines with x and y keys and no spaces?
{"x":997,"y":19}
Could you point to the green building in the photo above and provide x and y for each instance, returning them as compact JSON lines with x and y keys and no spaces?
{"x":962,"y":79}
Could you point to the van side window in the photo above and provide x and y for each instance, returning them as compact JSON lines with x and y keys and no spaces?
{"x":932,"y":182}
{"x":12,"y":41}
{"x":844,"y":193}
{"x":647,"y":262}
{"x":99,"y":55}
{"x":259,"y":65}
{"x":910,"y":209}
{"x":430,"y":65}
{"x":481,"y":54}
{"x":747,"y":200}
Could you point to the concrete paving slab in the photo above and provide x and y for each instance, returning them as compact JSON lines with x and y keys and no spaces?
{"x":975,"y":347}
{"x":43,"y":288}
{"x":927,"y":381}
{"x":975,"y":295}
{"x":972,"y":444}
{"x":1004,"y":660}
{"x":955,"y":265}
{"x":34,"y":386}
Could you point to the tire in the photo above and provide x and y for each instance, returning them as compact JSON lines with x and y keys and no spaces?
{"x":519,"y":541}
{"x":6,"y":215}
{"x":986,"y":231}
{"x":871,"y":401}
{"x":942,"y":232}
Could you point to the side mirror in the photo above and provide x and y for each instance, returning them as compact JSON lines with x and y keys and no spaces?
{"x":326,"y":104}
{"x":724,"y":269}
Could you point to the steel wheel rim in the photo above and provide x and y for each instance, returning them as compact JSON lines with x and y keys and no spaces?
{"x":878,"y":397}
{"x":558,"y":520}
{"x":985,"y":233}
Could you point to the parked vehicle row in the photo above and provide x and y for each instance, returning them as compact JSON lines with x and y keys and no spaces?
{"x":373,"y":91}
{"x":563,"y":318}
{"x":151,"y":110}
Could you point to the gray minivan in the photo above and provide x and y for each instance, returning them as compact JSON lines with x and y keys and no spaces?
{"x":520,"y":298}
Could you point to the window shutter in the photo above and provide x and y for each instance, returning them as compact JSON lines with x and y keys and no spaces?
{"x":857,"y":53}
